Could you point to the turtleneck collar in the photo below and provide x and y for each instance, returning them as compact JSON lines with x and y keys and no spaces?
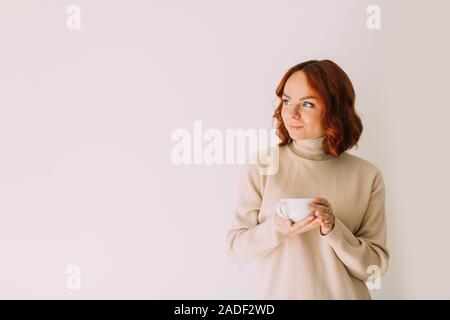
{"x":310,"y":149}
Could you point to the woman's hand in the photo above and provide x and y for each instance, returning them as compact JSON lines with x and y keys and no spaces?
{"x":324,"y":212}
{"x":292,"y":228}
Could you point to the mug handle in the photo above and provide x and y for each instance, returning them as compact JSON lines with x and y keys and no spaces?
{"x":281,"y":208}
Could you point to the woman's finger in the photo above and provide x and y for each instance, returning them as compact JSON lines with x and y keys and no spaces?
{"x":303,"y":223}
{"x":319,"y":223}
{"x":318,"y":207}
{"x":322,"y":215}
{"x":322,"y":201}
{"x":326,"y":221}
{"x":314,"y":223}
{"x":311,"y":225}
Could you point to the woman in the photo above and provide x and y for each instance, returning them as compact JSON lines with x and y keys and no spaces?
{"x":332,"y":253}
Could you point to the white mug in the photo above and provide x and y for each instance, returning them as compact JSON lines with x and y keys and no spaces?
{"x":295,"y":209}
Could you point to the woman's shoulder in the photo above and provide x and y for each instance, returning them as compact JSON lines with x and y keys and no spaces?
{"x":359,"y":163}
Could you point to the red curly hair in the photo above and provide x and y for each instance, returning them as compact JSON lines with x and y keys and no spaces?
{"x":341,"y":124}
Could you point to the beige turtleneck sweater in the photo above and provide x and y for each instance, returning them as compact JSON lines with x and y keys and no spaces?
{"x":312,"y":266}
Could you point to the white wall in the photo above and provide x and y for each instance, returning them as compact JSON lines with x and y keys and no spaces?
{"x":86,"y":176}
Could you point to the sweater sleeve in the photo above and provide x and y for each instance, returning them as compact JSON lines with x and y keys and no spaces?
{"x":367,"y":247}
{"x":247,"y":239}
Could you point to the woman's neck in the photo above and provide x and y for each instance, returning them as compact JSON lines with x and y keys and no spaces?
{"x":310,"y":148}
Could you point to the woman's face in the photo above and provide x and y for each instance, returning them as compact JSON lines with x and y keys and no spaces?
{"x":302,"y":108}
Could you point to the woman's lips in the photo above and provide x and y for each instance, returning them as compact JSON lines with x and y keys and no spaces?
{"x":295,"y":127}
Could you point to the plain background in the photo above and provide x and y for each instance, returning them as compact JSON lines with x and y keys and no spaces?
{"x":86,"y":119}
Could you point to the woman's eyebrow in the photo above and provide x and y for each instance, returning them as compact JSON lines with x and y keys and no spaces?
{"x":307,"y":97}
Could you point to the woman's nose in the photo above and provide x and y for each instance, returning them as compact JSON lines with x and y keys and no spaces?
{"x":295,"y":115}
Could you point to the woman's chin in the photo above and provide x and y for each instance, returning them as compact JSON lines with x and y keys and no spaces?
{"x":297,"y":136}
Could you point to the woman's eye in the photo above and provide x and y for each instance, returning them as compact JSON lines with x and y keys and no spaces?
{"x":305,"y":104}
